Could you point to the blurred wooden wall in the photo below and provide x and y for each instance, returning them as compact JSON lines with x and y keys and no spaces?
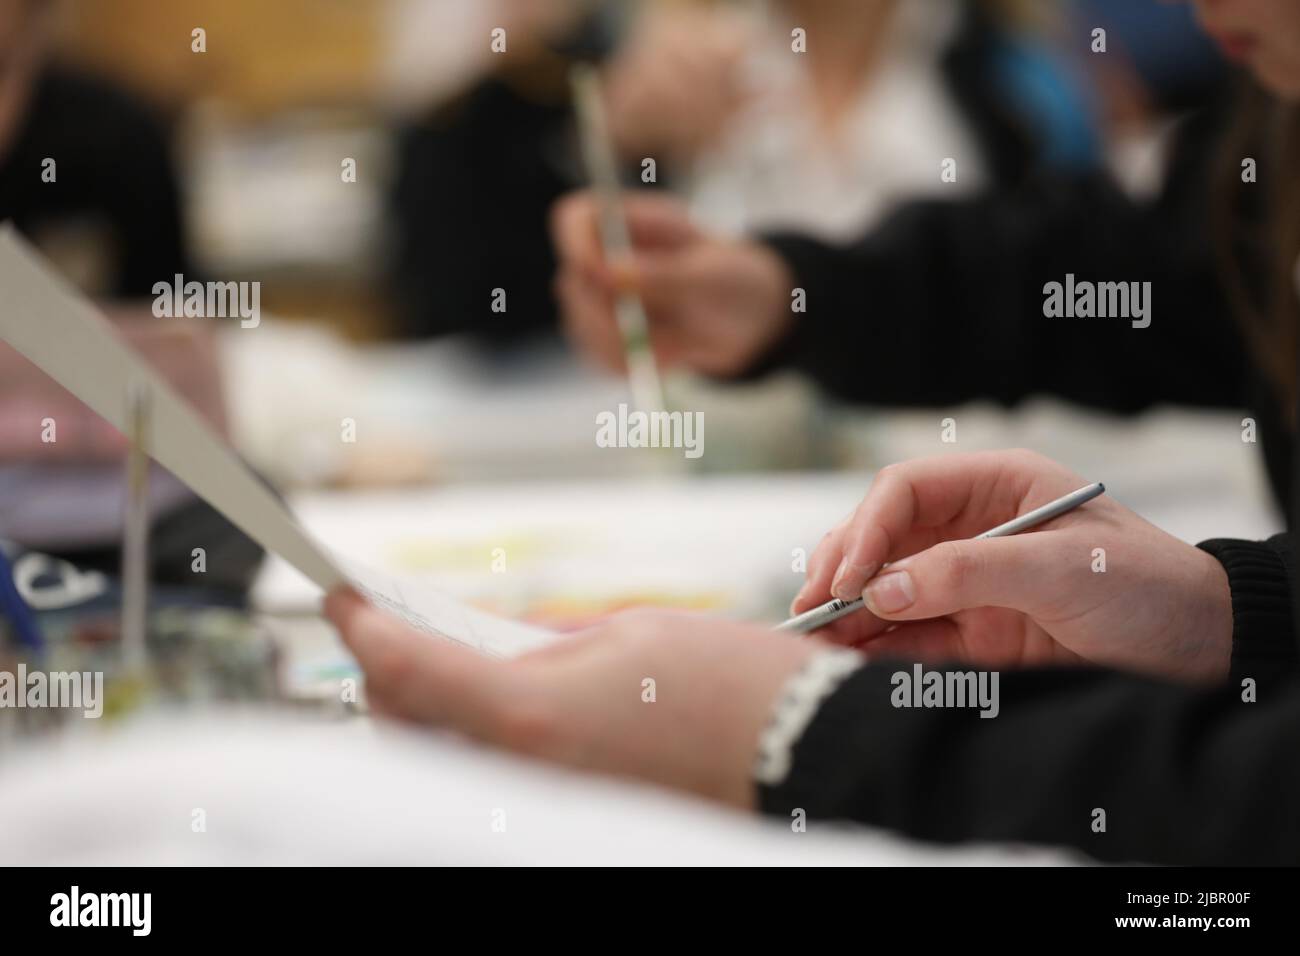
{"x":262,"y":55}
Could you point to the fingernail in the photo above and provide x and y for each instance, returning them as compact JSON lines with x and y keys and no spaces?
{"x":890,"y":593}
{"x":840,"y":587}
{"x":838,"y":577}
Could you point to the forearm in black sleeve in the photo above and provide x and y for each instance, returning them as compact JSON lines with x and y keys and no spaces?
{"x":141,"y":194}
{"x":469,"y":207}
{"x":1184,"y":776}
{"x":945,"y":302}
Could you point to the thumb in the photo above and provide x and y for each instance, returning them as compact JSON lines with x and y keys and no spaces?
{"x":418,"y":676}
{"x":1015,"y":572}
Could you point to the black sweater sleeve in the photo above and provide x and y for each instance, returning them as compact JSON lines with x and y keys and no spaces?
{"x":1260,"y":573}
{"x":113,"y":168}
{"x":469,"y":210}
{"x":945,"y":303}
{"x":1184,"y":776}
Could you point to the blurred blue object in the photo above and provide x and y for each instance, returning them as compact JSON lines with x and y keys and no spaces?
{"x":1048,"y":95}
{"x":15,"y":609}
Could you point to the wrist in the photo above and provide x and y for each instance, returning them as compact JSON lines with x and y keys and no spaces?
{"x":1213,"y":627}
{"x":794,"y":708}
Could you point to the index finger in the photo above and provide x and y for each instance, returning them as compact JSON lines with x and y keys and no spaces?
{"x":915,"y":504}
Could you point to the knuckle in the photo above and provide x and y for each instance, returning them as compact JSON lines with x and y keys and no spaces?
{"x":1030,"y":459}
{"x":1022,"y":456}
{"x":958,"y":564}
{"x":829,"y":545}
{"x":889,"y":475}
{"x":892,"y":487}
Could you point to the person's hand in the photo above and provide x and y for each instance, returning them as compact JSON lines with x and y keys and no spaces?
{"x":1098,"y":584}
{"x":677,"y":83}
{"x":586,"y":701}
{"x":714,"y":305}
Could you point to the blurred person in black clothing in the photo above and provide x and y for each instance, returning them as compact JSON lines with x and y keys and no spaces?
{"x":113,"y":179}
{"x":86,"y":175}
{"x":477,"y":177}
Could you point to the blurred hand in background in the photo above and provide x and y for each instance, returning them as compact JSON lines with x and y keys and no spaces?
{"x":715,"y":305}
{"x":678,"y":81}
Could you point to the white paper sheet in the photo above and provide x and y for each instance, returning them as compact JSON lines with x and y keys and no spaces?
{"x":56,"y":328}
{"x":434,"y":613}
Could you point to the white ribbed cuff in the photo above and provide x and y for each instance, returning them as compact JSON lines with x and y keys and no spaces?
{"x":795,"y":707}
